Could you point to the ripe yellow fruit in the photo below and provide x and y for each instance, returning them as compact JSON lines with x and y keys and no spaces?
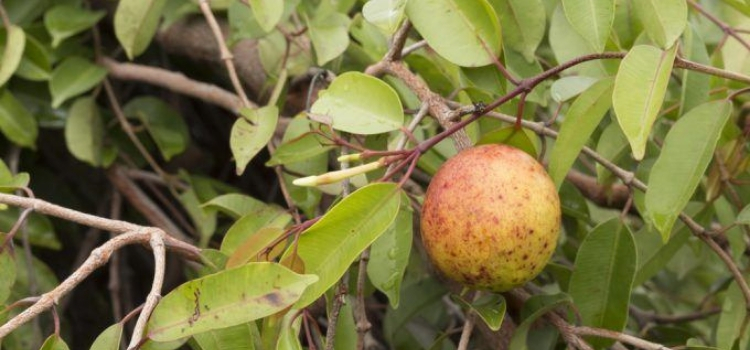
{"x":491,"y":218}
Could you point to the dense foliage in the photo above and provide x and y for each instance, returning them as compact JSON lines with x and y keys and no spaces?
{"x":262,"y":164}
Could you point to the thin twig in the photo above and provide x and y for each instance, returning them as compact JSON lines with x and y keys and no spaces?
{"x":156,"y":241}
{"x":128,"y":129}
{"x":226,"y":55}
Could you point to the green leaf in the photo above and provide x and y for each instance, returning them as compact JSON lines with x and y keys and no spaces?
{"x":12,"y":53}
{"x":592,"y":19}
{"x":54,"y":342}
{"x":580,"y":122}
{"x":523,"y":23}
{"x":567,"y":44}
{"x":267,"y":12}
{"x":346,"y":329}
{"x":535,"y":307}
{"x":490,"y":308}
{"x":235,"y":205}
{"x":10,"y":182}
{"x":252,"y":248}
{"x":16,"y":123}
{"x":330,"y":245}
{"x":360,"y":104}
{"x":601,"y":282}
{"x":74,"y":76}
{"x":203,"y":218}
{"x":613,"y":145}
{"x":565,"y":88}
{"x":688,"y":149}
{"x":731,"y":319}
{"x":39,"y":228}
{"x":250,"y":134}
{"x":135,"y":24}
{"x":298,"y":149}
{"x":7,"y":273}
{"x":329,"y":33}
{"x":384,"y":14}
{"x":523,"y":139}
{"x":663,"y":20}
{"x":695,"y":85}
{"x":36,"y":63}
{"x":253,"y":221}
{"x":242,"y":23}
{"x":640,"y":86}
{"x":467,"y":33}
{"x":389,"y":254}
{"x":84,"y":131}
{"x":226,"y":299}
{"x":165,"y":125}
{"x":109,"y":339}
{"x":743,"y":218}
{"x":240,"y":337}
{"x":654,"y":253}
{"x":64,"y":21}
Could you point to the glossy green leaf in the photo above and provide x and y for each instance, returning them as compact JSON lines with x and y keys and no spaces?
{"x":135,"y":24}
{"x":389,"y":254}
{"x":695,"y":85}
{"x":10,"y":182}
{"x":360,"y":104}
{"x":490,"y":308}
{"x":289,"y":335}
{"x":654,"y":253}
{"x":250,"y":134}
{"x":84,"y":131}
{"x":226,"y":299}
{"x":640,"y":86}
{"x":64,"y":21}
{"x":254,"y":246}
{"x":732,"y":318}
{"x":384,"y":14}
{"x":110,"y":339}
{"x":329,"y":33}
{"x":663,"y":20}
{"x":54,"y":342}
{"x":12,"y":53}
{"x":601,"y":282}
{"x":523,"y":23}
{"x":613,"y":145}
{"x":306,"y":198}
{"x":267,"y":12}
{"x":567,"y":44}
{"x":16,"y":123}
{"x":36,"y":63}
{"x":688,"y":149}
{"x":592,"y":19}
{"x":7,"y":274}
{"x":466,"y":33}
{"x":39,"y":228}
{"x":535,"y":307}
{"x":204,"y":219}
{"x":330,"y":245}
{"x":240,"y":337}
{"x":74,"y":76}
{"x":523,"y":139}
{"x":297,"y":150}
{"x":253,"y":221}
{"x":580,"y":122}
{"x":743,"y":218}
{"x":346,"y":329}
{"x":565,"y":88}
{"x":235,"y":205}
{"x":165,"y":125}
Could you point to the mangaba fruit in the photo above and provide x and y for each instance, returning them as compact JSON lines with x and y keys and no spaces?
{"x":491,"y":218}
